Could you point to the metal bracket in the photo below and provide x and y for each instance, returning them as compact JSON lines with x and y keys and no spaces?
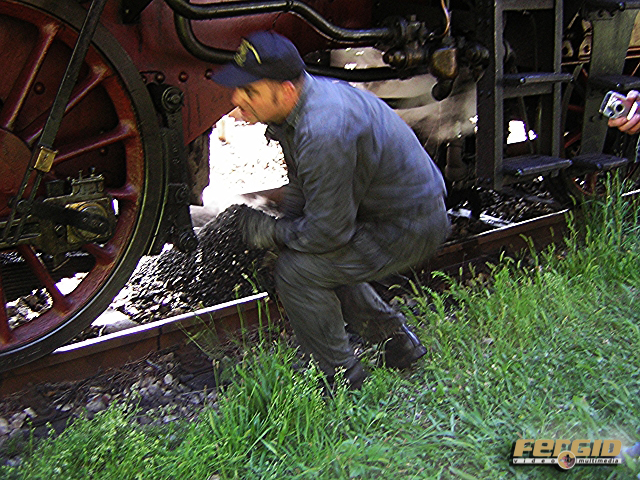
{"x":131,"y":10}
{"x":175,"y":224}
{"x":45,"y":158}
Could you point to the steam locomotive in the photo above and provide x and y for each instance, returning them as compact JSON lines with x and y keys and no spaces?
{"x":106,"y":105}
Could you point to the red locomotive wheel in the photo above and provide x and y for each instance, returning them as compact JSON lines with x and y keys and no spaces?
{"x":109,"y":127}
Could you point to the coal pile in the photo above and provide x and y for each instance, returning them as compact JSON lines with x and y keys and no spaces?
{"x":223,"y":268}
{"x":520,"y":202}
{"x":462,"y":227}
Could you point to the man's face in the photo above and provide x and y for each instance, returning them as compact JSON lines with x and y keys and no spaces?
{"x":260,"y":101}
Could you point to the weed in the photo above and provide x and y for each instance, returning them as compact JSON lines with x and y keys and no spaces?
{"x":545,"y":348}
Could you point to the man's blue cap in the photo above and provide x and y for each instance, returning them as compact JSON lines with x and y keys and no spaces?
{"x":261,"y":55}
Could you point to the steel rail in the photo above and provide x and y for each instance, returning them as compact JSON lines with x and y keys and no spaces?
{"x":90,"y":357}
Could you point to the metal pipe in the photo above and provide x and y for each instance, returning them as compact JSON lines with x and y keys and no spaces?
{"x":317,"y":21}
{"x":216,"y":55}
{"x":197,"y":48}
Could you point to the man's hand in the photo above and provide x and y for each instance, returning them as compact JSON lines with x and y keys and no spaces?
{"x":258,"y":229}
{"x":628,"y":125}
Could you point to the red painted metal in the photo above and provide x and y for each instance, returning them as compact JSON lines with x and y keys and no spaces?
{"x":60,"y":303}
{"x":99,"y":129}
{"x":118,"y":134}
{"x":33,"y":131}
{"x":156,"y":51}
{"x":18,"y":95}
{"x":14,"y":159}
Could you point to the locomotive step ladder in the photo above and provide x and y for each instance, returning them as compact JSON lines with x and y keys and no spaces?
{"x":612,"y":25}
{"x":593,"y":162}
{"x":619,"y":83}
{"x":494,"y":166}
{"x":525,"y":167}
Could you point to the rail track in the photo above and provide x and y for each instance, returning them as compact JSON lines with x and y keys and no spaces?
{"x":84,"y":359}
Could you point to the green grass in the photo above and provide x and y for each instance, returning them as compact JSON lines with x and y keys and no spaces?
{"x":545,"y":347}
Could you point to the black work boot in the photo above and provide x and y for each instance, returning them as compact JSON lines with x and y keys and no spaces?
{"x":354,"y":375}
{"x":403,"y":349}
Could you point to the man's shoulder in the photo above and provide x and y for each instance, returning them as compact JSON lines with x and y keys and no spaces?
{"x":324,"y":106}
{"x":332,"y":104}
{"x":326,"y":90}
{"x":324,"y":93}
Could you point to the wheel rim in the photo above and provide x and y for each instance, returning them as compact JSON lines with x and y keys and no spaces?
{"x":100,"y":130}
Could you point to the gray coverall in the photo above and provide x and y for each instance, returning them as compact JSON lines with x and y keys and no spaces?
{"x":364,"y":201}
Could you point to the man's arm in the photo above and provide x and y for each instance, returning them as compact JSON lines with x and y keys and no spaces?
{"x":326,"y":172}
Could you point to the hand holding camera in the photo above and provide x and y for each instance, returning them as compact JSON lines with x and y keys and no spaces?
{"x":623,"y":111}
{"x":616,"y":105}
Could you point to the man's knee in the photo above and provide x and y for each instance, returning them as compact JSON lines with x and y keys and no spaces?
{"x":285,"y":273}
{"x":295,"y":269}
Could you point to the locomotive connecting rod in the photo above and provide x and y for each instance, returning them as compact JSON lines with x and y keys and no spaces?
{"x":43,"y":154}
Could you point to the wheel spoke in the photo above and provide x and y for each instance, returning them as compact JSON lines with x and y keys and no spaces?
{"x":18,"y":94}
{"x":31,"y":133}
{"x":109,"y":123}
{"x":128,"y":193}
{"x":572,"y":138}
{"x":5,"y":331}
{"x":59,"y":301}
{"x":123,"y":131}
{"x":104,"y":255}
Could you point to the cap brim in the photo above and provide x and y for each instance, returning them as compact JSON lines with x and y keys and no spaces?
{"x":233,"y":76}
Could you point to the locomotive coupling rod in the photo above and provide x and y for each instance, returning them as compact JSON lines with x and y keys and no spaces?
{"x":43,"y":154}
{"x":82,"y":220}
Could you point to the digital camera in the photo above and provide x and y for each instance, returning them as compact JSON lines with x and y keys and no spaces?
{"x":616,"y":105}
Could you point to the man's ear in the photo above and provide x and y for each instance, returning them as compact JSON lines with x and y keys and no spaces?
{"x":289,"y":90}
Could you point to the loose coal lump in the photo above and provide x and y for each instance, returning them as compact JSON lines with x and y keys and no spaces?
{"x":221,"y":269}
{"x":224,"y":268}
